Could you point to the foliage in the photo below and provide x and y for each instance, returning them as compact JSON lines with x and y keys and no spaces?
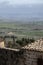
{"x":25,"y":41}
{"x":32,"y":40}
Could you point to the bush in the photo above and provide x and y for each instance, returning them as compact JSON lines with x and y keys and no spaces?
{"x":25,"y":41}
{"x":19,"y":42}
{"x":32,"y":40}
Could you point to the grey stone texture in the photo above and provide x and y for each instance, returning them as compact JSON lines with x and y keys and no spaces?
{"x":20,"y":57}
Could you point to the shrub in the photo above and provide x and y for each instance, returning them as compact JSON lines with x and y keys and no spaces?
{"x":32,"y":40}
{"x":25,"y":41}
{"x":19,"y":42}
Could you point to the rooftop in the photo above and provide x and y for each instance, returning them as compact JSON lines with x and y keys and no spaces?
{"x":37,"y":45}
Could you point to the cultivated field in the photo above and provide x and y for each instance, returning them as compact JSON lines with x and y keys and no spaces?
{"x":29,"y":29}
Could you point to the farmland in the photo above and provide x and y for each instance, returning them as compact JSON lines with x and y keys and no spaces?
{"x":29,"y":29}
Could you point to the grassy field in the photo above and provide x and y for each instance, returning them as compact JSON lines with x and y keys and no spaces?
{"x":29,"y":29}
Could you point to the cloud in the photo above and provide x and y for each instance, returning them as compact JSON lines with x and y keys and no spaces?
{"x":25,"y":1}
{"x":16,"y":2}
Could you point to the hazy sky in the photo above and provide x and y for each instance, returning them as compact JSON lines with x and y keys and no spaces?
{"x":22,"y":8}
{"x":23,"y":1}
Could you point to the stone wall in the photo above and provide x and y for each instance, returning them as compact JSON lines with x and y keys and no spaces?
{"x":31,"y":57}
{"x":21,"y":57}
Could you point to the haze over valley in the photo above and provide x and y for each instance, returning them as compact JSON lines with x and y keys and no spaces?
{"x":21,"y":12}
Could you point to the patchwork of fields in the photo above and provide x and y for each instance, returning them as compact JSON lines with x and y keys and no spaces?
{"x":29,"y":29}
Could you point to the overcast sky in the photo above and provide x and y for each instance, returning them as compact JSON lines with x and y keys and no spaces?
{"x":7,"y":9}
{"x":23,"y":1}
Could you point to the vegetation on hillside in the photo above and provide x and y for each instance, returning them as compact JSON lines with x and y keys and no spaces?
{"x":20,"y":42}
